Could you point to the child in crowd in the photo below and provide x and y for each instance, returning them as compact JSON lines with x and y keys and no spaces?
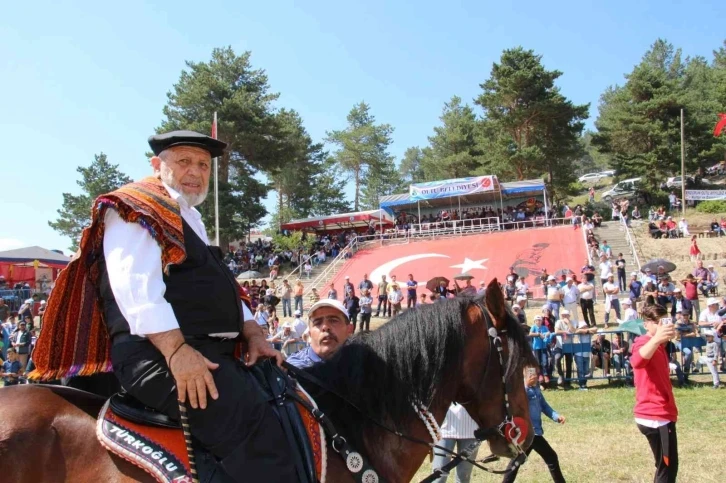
{"x":538,"y":406}
{"x":541,"y":336}
{"x":710,"y":357}
{"x":695,"y":251}
{"x":12,"y":368}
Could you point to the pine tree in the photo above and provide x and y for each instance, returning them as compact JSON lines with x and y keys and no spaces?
{"x":99,"y":178}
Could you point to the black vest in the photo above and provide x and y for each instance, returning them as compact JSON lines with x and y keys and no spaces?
{"x":201,"y":290}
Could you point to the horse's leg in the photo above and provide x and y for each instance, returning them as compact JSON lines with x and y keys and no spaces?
{"x":45,"y":438}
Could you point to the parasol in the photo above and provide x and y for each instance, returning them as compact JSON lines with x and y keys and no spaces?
{"x":248,"y":275}
{"x":658,"y":262}
{"x":464,"y":276}
{"x":434,"y":282}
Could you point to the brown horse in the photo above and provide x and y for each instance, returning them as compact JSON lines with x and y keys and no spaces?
{"x":436,"y":354}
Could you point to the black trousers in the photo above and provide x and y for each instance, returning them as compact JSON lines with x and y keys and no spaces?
{"x":411,"y":302}
{"x":365,"y":321}
{"x":621,"y":280}
{"x":383,"y":299}
{"x":239,"y":427}
{"x":664,"y":445}
{"x":543,"y":448}
{"x":588,"y":311}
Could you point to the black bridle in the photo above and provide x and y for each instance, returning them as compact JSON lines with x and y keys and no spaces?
{"x":512,"y":429}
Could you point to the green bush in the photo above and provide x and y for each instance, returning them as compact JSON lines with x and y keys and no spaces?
{"x":712,"y":206}
{"x":604,"y":209}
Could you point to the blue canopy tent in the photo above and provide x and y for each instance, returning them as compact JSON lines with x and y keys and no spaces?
{"x":440,"y":193}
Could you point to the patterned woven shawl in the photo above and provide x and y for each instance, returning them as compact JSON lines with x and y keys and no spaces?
{"x":74,"y":340}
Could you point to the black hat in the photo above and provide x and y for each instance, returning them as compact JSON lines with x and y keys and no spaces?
{"x":160,"y":142}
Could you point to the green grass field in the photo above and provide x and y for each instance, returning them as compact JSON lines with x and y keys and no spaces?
{"x":600,"y":443}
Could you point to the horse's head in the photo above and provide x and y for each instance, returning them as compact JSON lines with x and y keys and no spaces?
{"x":482,"y":391}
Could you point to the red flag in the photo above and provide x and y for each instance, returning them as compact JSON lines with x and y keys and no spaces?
{"x":214,"y":126}
{"x":720,"y":125}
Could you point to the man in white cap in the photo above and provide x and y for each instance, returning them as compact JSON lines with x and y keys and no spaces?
{"x":482,"y":288}
{"x":709,"y":318}
{"x":329,"y":328}
{"x":628,"y":312}
{"x":710,"y":356}
{"x":571,"y":298}
{"x":348,"y":288}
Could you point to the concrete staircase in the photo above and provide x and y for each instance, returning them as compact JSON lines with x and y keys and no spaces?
{"x":614,"y":233}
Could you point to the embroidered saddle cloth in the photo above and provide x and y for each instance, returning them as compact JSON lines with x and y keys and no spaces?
{"x":156,"y":444}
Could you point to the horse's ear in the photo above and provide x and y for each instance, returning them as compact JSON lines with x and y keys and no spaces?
{"x":496,"y":303}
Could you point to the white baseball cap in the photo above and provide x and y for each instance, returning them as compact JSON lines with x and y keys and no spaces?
{"x":712,"y":301}
{"x":626,"y":302}
{"x":564,"y":312}
{"x":336,"y":304}
{"x":347,"y":277}
{"x":633,"y":274}
{"x":676,"y":290}
{"x":298,"y":313}
{"x":709,"y":333}
{"x":551,"y":278}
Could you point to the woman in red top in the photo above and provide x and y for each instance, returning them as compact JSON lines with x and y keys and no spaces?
{"x":655,"y":407}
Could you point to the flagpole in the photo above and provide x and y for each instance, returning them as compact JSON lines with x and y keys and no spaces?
{"x":216,"y":188}
{"x":683,"y":168}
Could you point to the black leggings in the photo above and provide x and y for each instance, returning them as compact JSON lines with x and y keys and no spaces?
{"x":543,"y":448}
{"x":664,"y":445}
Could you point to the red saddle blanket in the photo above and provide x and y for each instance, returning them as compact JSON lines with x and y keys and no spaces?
{"x":162,"y":453}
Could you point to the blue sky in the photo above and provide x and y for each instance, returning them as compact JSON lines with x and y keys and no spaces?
{"x":81,"y":77}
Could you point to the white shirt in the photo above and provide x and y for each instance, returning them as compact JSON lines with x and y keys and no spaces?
{"x":609,"y":296}
{"x":133,"y":262}
{"x":586,"y":290}
{"x":562,"y":325}
{"x":571,"y":294}
{"x":606,"y":269}
{"x":630,"y":314}
{"x":458,"y":424}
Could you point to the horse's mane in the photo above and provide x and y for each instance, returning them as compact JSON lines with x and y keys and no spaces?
{"x":411,"y":358}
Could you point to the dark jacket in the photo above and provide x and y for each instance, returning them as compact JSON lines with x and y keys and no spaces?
{"x":685,"y":305}
{"x":25,"y":339}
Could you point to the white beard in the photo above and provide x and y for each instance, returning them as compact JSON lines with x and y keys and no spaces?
{"x":192,"y":199}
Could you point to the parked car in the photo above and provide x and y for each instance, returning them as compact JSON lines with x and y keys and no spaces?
{"x":624,"y":189}
{"x":591,"y":177}
{"x":609,"y":173}
{"x":676,"y":181}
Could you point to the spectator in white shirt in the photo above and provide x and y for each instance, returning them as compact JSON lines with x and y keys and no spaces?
{"x":587,"y":302}
{"x":611,"y":298}
{"x":629,"y":312}
{"x":606,"y":269}
{"x":457,"y":432}
{"x":571,"y":298}
{"x":564,"y":330}
{"x":683,"y":227}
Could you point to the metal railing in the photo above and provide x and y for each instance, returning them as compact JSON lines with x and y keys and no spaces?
{"x":631,"y":243}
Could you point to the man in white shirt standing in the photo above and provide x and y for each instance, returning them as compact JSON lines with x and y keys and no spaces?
{"x":172,"y":310}
{"x":611,"y":298}
{"x":606,"y":270}
{"x":571,"y":298}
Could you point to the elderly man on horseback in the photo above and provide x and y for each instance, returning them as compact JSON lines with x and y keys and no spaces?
{"x":147,"y":297}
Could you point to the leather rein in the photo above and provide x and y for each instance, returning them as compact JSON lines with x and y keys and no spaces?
{"x":512,"y":429}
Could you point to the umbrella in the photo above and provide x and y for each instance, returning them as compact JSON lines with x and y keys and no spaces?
{"x":434,"y":282}
{"x":463,"y":276}
{"x":248,"y":275}
{"x":633,"y":326}
{"x":563,"y":271}
{"x":654,"y":264}
{"x":272,"y":300}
